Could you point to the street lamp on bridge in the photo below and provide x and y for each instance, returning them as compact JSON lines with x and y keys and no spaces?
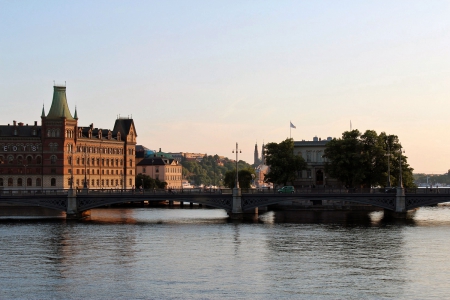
{"x":237,"y":176}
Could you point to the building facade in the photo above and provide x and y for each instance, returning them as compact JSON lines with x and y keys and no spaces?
{"x":61,"y":154}
{"x":162,"y":168}
{"x":314,"y":175}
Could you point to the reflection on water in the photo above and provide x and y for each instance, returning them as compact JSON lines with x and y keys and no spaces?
{"x":148,"y":253}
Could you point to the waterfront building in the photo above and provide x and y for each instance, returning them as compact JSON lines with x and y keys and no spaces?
{"x":162,"y":168}
{"x":312,"y":152}
{"x":59,"y":152}
{"x":187,"y":156}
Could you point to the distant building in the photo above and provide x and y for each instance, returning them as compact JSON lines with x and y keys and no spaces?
{"x":164,"y":169}
{"x":59,"y":152}
{"x":312,"y":152}
{"x":187,"y":156}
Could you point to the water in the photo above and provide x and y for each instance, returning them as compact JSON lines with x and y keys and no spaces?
{"x":145,"y":253}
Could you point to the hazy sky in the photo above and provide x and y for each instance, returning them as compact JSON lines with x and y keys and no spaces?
{"x":199,"y":76}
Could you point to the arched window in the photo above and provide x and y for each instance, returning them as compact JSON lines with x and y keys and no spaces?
{"x":131,"y":162}
{"x":19,"y":182}
{"x":38,"y":182}
{"x":38,"y":160}
{"x":10,"y":159}
{"x":53,"y":159}
{"x":29,"y":159}
{"x":53,"y":182}
{"x":19,"y":160}
{"x":49,"y":133}
{"x":10,"y":182}
{"x":29,"y":182}
{"x":57,"y":132}
{"x":53,"y":133}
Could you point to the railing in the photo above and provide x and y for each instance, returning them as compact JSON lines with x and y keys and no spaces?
{"x":302,"y":191}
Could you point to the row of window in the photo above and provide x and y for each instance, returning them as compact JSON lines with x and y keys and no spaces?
{"x":96,"y":161}
{"x":99,"y":183}
{"x":93,"y":172}
{"x":20,"y":160}
{"x":85,"y":149}
{"x":53,"y":132}
{"x":29,"y":182}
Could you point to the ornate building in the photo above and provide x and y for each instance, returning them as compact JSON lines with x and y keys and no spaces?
{"x":59,"y":152}
{"x":314,"y":175}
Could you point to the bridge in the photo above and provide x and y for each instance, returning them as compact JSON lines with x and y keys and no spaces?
{"x":234,"y":201}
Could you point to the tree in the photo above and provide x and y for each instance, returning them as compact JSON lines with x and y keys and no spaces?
{"x":283,"y":163}
{"x":245,"y":178}
{"x":149,"y":183}
{"x":362,"y":159}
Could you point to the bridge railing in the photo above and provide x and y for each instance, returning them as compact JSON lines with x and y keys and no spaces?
{"x":427,"y":190}
{"x":32,"y":192}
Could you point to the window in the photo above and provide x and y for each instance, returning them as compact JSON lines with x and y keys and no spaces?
{"x":131,"y":172}
{"x":19,"y":182}
{"x":103,"y":182}
{"x":98,"y":182}
{"x":29,"y":182}
{"x":53,"y":182}
{"x":53,"y":159}
{"x":107,"y":182}
{"x":29,"y":159}
{"x":1,"y":181}
{"x":93,"y":182}
{"x":10,"y":159}
{"x":130,"y":182}
{"x":308,"y":173}
{"x":131,"y":162}
{"x":10,"y":182}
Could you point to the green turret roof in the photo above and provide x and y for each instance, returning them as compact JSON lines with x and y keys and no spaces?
{"x":59,"y":108}
{"x":75,"y":116}
{"x":43,"y":111}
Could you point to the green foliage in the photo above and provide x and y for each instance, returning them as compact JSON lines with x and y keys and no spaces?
{"x":210,"y":170}
{"x":284,"y":165}
{"x":362,"y":159}
{"x":149,"y":183}
{"x":244,"y":176}
{"x":433,"y":179}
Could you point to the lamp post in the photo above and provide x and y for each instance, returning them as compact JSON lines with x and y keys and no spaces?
{"x":389,"y":166}
{"x":400,"y":178}
{"x":86,"y":157}
{"x":70,"y":152}
{"x":237,"y":176}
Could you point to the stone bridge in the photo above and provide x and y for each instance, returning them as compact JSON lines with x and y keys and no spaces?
{"x":233,"y":201}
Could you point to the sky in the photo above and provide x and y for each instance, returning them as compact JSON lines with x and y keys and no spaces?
{"x":199,"y":76}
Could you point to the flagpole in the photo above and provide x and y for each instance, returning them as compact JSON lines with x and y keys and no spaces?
{"x":290,"y":129}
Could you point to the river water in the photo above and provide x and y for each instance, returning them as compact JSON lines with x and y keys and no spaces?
{"x":156,"y":253}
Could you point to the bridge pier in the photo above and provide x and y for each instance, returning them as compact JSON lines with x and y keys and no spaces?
{"x":236,"y":208}
{"x":72,"y":206}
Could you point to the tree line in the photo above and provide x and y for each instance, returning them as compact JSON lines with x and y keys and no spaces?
{"x":356,"y":160}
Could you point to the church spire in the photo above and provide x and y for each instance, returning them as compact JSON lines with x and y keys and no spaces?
{"x":43,"y":112}
{"x":256,"y":155}
{"x":59,"y":108}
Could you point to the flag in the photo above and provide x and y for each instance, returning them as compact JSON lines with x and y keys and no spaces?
{"x":292,"y":126}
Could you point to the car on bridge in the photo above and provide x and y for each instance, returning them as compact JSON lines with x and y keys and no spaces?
{"x":288,"y":189}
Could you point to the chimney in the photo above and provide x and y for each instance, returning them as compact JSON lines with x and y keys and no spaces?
{"x":20,"y":124}
{"x":14,"y":123}
{"x":35,"y":123}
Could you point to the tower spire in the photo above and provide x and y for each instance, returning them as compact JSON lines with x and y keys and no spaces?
{"x":43,"y":111}
{"x":75,"y":116}
{"x":59,"y":106}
